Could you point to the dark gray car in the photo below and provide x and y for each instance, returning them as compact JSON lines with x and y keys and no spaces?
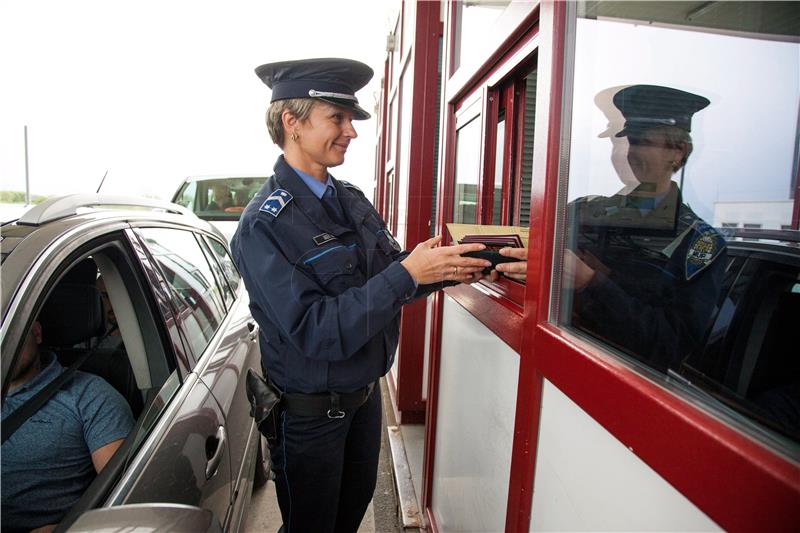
{"x":177,"y":341}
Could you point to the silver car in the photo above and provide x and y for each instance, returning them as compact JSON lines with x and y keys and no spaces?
{"x":184,"y":340}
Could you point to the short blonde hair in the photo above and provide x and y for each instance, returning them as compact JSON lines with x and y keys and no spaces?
{"x":300,"y":108}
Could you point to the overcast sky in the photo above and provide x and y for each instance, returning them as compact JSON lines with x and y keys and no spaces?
{"x":154,"y":91}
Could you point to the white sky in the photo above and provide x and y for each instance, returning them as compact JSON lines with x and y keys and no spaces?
{"x":154,"y":91}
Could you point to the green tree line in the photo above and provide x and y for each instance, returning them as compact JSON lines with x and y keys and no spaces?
{"x":18,"y":197}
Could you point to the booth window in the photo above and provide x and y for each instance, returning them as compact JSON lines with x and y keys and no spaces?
{"x":468,"y":150}
{"x":473,"y":18}
{"x":672,"y":255}
{"x":508,"y":180}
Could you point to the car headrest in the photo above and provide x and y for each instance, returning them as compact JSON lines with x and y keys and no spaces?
{"x":72,"y":314}
{"x":83,"y":272}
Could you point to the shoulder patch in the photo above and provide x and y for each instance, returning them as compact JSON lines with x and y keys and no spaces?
{"x":273,"y":205}
{"x":705,"y":246}
{"x":350,"y":186}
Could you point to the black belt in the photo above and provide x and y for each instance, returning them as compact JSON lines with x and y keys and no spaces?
{"x":330,"y":404}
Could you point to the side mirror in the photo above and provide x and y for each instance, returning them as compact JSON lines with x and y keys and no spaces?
{"x":148,"y":517}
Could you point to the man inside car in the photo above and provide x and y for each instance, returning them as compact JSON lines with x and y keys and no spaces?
{"x":55,"y":454}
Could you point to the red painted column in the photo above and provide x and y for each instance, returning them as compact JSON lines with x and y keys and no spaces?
{"x":408,"y":404}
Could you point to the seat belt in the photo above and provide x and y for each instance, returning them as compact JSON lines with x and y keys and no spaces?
{"x":22,"y":413}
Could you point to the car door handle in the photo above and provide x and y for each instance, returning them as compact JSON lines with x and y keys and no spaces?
{"x":220,"y":440}
{"x":252,"y":327}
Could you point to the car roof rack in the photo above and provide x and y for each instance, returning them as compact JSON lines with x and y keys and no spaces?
{"x":64,"y":206}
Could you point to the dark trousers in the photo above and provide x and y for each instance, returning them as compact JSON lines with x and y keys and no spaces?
{"x":325,"y":469}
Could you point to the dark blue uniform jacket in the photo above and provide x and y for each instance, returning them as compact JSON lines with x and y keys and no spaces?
{"x":327,"y":297}
{"x":656,"y":296}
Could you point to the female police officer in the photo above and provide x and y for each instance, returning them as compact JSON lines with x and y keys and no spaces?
{"x":326,"y":281}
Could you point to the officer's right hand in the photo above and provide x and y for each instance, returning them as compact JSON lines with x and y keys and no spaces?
{"x":429,"y":263}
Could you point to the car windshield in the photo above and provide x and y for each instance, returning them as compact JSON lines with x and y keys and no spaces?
{"x":218,"y":199}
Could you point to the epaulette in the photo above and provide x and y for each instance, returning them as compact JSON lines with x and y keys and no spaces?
{"x":350,"y":186}
{"x":273,"y":205}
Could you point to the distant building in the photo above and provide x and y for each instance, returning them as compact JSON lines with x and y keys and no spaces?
{"x":754,"y":215}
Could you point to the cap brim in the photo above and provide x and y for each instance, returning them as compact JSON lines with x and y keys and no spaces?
{"x":358,"y":112}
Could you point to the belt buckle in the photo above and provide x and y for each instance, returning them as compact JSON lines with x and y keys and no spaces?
{"x":338,"y":413}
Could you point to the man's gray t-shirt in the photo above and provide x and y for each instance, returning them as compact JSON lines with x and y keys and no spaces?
{"x":47,"y":463}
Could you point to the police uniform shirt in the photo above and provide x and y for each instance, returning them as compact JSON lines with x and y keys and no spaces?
{"x":655,"y":295}
{"x":327,"y":297}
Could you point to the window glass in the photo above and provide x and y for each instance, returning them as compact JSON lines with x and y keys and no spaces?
{"x":187,"y":195}
{"x":225,"y":261}
{"x":222,"y":283}
{"x":403,"y":162}
{"x":468,"y":150}
{"x":225,"y":198}
{"x":154,"y":411}
{"x":473,"y":19}
{"x":188,"y":273}
{"x":683,"y":131}
{"x":499,"y":156}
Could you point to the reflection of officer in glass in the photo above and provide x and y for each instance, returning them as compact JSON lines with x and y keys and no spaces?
{"x":646,"y":270}
{"x":327,"y":281}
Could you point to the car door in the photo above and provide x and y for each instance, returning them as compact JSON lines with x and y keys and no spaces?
{"x":185,"y":456}
{"x":224,"y":368}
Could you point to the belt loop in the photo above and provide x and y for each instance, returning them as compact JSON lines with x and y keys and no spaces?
{"x":335,"y":411}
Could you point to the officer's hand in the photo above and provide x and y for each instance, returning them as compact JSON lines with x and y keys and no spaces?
{"x":516,"y":270}
{"x":577,"y":274}
{"x":429,"y":263}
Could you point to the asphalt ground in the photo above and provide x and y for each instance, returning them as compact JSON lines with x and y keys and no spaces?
{"x":382,"y":516}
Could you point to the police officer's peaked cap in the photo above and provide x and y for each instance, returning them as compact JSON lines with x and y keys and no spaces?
{"x":649,"y":106}
{"x":334,"y":80}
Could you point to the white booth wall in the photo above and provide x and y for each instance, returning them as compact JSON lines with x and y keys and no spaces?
{"x":478,"y":375}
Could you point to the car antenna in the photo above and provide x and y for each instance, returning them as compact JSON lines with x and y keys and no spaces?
{"x":101,"y":182}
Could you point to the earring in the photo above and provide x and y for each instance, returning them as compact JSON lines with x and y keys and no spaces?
{"x":294,"y":136}
{"x":675,"y":165}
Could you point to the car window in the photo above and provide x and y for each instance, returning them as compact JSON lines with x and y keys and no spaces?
{"x":96,"y":317}
{"x":186,"y":196}
{"x":220,"y":199}
{"x":748,"y":361}
{"x":224,"y":258}
{"x":198,"y":297}
{"x":222,"y":283}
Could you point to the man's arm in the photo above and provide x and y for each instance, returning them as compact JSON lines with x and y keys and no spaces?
{"x":103,"y":454}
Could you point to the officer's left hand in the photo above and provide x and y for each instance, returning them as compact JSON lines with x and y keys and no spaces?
{"x":429,"y":263}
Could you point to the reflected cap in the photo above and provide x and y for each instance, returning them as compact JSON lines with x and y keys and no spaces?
{"x":334,"y":80}
{"x":649,"y":106}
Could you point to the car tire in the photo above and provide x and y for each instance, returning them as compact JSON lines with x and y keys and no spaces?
{"x":263,"y":471}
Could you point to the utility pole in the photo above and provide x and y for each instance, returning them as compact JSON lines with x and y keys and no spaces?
{"x":27,"y":182}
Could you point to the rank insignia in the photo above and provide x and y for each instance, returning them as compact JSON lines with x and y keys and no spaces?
{"x":276,"y":202}
{"x":706,"y":245}
{"x":395,"y":245}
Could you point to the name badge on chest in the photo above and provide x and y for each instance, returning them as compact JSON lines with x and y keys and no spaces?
{"x":323,"y":238}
